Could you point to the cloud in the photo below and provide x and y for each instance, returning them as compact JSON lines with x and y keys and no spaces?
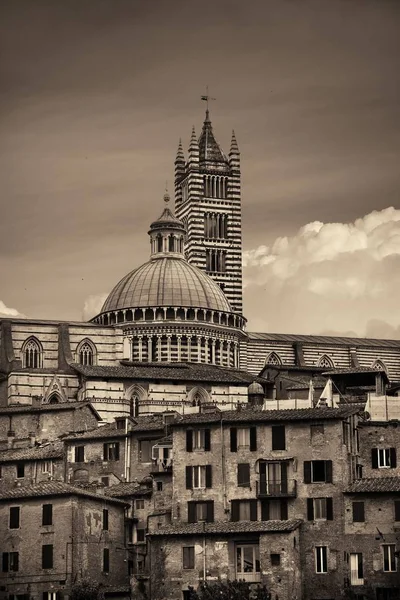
{"x":92,"y":306}
{"x":10,"y":312}
{"x":329,"y":276}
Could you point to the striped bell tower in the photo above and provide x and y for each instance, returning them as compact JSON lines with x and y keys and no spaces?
{"x":208,"y":201}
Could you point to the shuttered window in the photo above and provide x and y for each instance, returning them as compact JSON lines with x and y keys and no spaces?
{"x":14,"y":517}
{"x":201,"y":511}
{"x":47,"y":556}
{"x":243,"y":475}
{"x":47,"y":514}
{"x":278,"y":437}
{"x":188,"y":557}
{"x":358,"y":512}
{"x":383,"y":458}
{"x":318,"y":471}
{"x":244,"y":510}
{"x":397,"y":510}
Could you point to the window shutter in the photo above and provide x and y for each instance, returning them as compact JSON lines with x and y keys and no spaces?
{"x":189,"y":441}
{"x":397,"y":510}
{"x":105,"y":451}
{"x":253,"y":510}
{"x":360,"y":566}
{"x":374,"y":458}
{"x":235,"y":510}
{"x":307,"y":471}
{"x":393,"y":461}
{"x":284,"y":481}
{"x":358,"y":512}
{"x":328,"y":471}
{"x":278,"y":437}
{"x":207,"y":440}
{"x":210,"y":512}
{"x":191,"y":512}
{"x":5,"y":562}
{"x":208,"y":476}
{"x":117,"y":451}
{"x":265,"y":510}
{"x":329,"y":509}
{"x":284,"y":510}
{"x":189,"y":478}
{"x":243,"y":474}
{"x":233,"y":439}
{"x":253,"y":439}
{"x":310,"y":509}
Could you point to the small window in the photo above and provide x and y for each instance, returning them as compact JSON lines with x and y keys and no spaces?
{"x":247,"y":560}
{"x":384,"y":458}
{"x":278,"y":437}
{"x":10,"y":562}
{"x":244,"y":510}
{"x":47,"y":467}
{"x":105,"y":481}
{"x":397,"y":510}
{"x":79,"y":453}
{"x":243,"y":437}
{"x":320,"y":509}
{"x":14,"y":517}
{"x":159,"y":486}
{"x":198,"y":439}
{"x":243,"y":475}
{"x":47,"y":514}
{"x":140,"y":535}
{"x":198,"y":477}
{"x":201,"y":511}
{"x":47,"y":556}
{"x":318,"y":471}
{"x":188,"y":557}
{"x":105,"y":519}
{"x":358,"y":512}
{"x":20,"y":470}
{"x":111,"y":451}
{"x":389,"y":558}
{"x":106,"y":560}
{"x":139,"y":504}
{"x":275,"y":560}
{"x":145,"y":447}
{"x":321,"y":559}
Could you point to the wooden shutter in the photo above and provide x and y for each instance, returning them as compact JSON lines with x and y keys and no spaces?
{"x":105,"y":451}
{"x":192,"y":512}
{"x":329,"y":509}
{"x":243,"y":474}
{"x":393,"y":461}
{"x":397,"y":510}
{"x":233,"y":439}
{"x":207,"y":440}
{"x":265,"y":510}
{"x":358,"y":512}
{"x":310,"y":509}
{"x":278,"y":437}
{"x":47,"y":514}
{"x":189,"y":478}
{"x":5,"y":562}
{"x":328,"y":471}
{"x":189,"y":441}
{"x":284,"y":510}
{"x":253,"y":510}
{"x":374,"y":458}
{"x":14,"y":517}
{"x":210,"y":511}
{"x":208,"y":476}
{"x":307,"y":471}
{"x":253,"y":439}
{"x":235,"y":510}
{"x":116,"y":450}
{"x":284,"y":481}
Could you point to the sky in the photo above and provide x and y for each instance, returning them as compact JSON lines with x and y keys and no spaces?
{"x":95,"y":94}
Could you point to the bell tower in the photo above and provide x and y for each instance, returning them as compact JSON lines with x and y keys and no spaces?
{"x":208,"y":201}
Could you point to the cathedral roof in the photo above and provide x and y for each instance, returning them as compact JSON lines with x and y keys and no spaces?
{"x":209,"y":149}
{"x":167,"y":281}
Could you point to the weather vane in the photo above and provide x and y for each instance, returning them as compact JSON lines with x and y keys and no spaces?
{"x":207,"y":98}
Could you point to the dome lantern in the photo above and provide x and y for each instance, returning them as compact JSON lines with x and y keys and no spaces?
{"x":167,"y":234}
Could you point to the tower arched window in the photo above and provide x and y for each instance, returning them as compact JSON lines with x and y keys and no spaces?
{"x":86,"y":353}
{"x":32,"y":354}
{"x":159,"y":243}
{"x":134,"y":405}
{"x":326,"y":362}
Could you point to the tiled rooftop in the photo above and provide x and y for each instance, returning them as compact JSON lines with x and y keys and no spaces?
{"x":121,"y":490}
{"x":228,"y":527}
{"x":324,"y":339}
{"x":24,"y":408}
{"x":107,"y":431}
{"x":249,"y":416}
{"x":377,"y":485}
{"x":52,"y":488}
{"x":353,"y":371}
{"x":46,"y":452}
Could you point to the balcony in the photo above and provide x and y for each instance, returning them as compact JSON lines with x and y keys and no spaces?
{"x":276,"y":489}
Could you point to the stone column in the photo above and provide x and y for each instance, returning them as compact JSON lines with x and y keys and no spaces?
{"x":150,"y":348}
{"x":213,"y":342}
{"x":140,"y":348}
{"x":228,"y":353}
{"x":169,"y":347}
{"x":189,"y":347}
{"x":199,"y":349}
{"x":179,"y":337}
{"x":159,"y":342}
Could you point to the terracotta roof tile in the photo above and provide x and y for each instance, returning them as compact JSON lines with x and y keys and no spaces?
{"x":36,"y":453}
{"x":228,"y":527}
{"x":23,"y":408}
{"x":52,"y":488}
{"x":376,"y":485}
{"x":324,"y":339}
{"x":107,"y":431}
{"x":121,"y":490}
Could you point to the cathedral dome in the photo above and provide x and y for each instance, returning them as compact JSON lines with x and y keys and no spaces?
{"x":167,"y":281}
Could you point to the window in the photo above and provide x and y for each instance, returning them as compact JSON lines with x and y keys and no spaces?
{"x":105,"y":481}
{"x":188,"y":557}
{"x":198,"y":477}
{"x":215,"y":260}
{"x":47,"y":556}
{"x":145,"y":447}
{"x":319,"y":509}
{"x":321,"y":559}
{"x":106,"y":560}
{"x":159,"y":485}
{"x":358,"y":512}
{"x":198,"y":440}
{"x":10,"y":562}
{"x":14,"y":517}
{"x":325,"y":362}
{"x":32,"y":355}
{"x":273,"y":359}
{"x":275,"y":560}
{"x":389,"y":558}
{"x":316,"y":430}
{"x":247,"y":559}
{"x":105,"y":519}
{"x":111,"y":451}
{"x":140,"y":535}
{"x":79,"y":453}
{"x":356,"y":569}
{"x":274,"y":510}
{"x":243,"y":437}
{"x":48,"y":596}
{"x":244,"y":510}
{"x":243,"y":475}
{"x":47,"y":514}
{"x":201,"y":511}
{"x":215,"y":226}
{"x":397,"y":510}
{"x":86,"y":354}
{"x":273,"y":478}
{"x":383,"y":458}
{"x":318,"y":471}
{"x":140,"y":504}
{"x":47,"y":467}
{"x":20,"y":470}
{"x":278,"y":437}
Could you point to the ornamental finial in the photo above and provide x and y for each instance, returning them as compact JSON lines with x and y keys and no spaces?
{"x":167,"y":197}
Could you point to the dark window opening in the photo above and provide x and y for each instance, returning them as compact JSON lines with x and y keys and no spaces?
{"x":47,"y":514}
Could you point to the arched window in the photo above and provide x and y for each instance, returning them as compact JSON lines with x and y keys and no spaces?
{"x":135,"y":394}
{"x":273,"y":359}
{"x":159,"y":243}
{"x":197,"y":396}
{"x":325,"y":362}
{"x":134,"y":405}
{"x":380,"y":365}
{"x":32,"y":354}
{"x":54,"y":399}
{"x":171,"y":245}
{"x":86,"y":353}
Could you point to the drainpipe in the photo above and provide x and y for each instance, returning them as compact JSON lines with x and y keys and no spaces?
{"x":204,"y":551}
{"x":223,"y":466}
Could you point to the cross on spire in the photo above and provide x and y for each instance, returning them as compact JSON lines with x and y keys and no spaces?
{"x":207,"y":98}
